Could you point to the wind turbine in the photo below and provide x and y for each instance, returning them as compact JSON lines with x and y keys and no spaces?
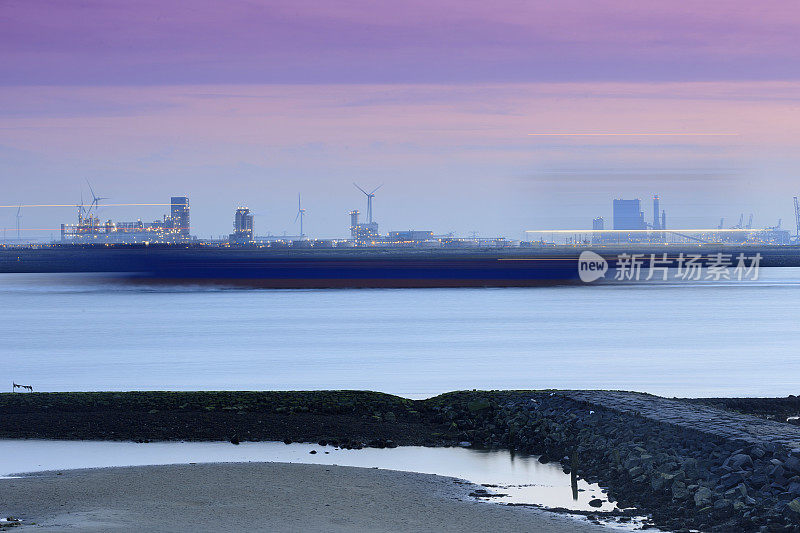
{"x":19,"y":218}
{"x":370,"y":196}
{"x":300,"y":214}
{"x":95,"y":199}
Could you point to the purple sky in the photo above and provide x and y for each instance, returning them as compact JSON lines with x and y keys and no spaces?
{"x":252,"y":102}
{"x":153,"y":42}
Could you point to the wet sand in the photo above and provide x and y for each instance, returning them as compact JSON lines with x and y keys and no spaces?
{"x":262,"y":497}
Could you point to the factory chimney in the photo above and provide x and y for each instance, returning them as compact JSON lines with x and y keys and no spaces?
{"x":656,"y":224}
{"x":663,"y":220}
{"x":354,"y":223}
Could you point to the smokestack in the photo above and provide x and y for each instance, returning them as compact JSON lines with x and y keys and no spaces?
{"x":656,"y":224}
{"x":663,"y":220}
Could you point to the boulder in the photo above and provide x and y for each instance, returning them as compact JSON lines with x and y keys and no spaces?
{"x":679,"y":491}
{"x":723,"y":508}
{"x":702,"y":497}
{"x":739,"y":461}
{"x":793,"y":464}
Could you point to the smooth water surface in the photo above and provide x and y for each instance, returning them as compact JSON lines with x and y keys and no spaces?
{"x":76,"y":332}
{"x":521,"y":477}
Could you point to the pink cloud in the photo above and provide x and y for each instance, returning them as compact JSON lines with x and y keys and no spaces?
{"x":322,"y":41}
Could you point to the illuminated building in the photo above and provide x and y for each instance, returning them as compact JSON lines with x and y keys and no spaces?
{"x":363,"y":233}
{"x":169,"y":229}
{"x":242,"y":226}
{"x":180,"y":214}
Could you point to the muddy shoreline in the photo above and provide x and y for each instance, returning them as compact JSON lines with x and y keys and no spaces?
{"x":683,"y":478}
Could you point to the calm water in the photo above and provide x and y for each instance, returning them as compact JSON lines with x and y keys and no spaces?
{"x":84,"y":333}
{"x":521,"y":477}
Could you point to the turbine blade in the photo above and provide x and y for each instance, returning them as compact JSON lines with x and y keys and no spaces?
{"x":376,"y":188}
{"x":90,"y":188}
{"x":296,"y":217}
{"x":360,"y":189}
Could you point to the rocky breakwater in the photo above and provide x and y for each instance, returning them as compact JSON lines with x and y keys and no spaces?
{"x":687,"y":466}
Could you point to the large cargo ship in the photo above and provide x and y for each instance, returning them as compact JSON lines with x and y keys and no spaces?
{"x":347,"y":267}
{"x":300,"y":268}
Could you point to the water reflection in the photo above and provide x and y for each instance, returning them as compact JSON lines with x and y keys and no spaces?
{"x":522,"y":478}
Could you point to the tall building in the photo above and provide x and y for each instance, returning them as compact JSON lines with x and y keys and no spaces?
{"x":628,"y":215}
{"x":179,"y":214}
{"x":656,"y":212}
{"x":353,"y":223}
{"x":598,"y":224}
{"x":242,"y":226}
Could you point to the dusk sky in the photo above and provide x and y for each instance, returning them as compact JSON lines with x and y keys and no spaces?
{"x":250,"y":103}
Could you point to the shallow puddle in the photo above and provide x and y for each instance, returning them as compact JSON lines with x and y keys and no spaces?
{"x":521,"y":478}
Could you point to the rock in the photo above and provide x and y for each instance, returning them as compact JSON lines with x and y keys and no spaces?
{"x":777,"y":472}
{"x":287,"y":440}
{"x":465,"y":444}
{"x":793,"y":464}
{"x":312,"y":452}
{"x":723,"y":508}
{"x":794,"y":505}
{"x":597,"y":502}
{"x":730,"y":480}
{"x":658,"y":482}
{"x":758,"y":452}
{"x":478,"y":405}
{"x":234,"y":440}
{"x":738,"y":461}
{"x":636,"y":471}
{"x":544,"y":459}
{"x":702,"y":497}
{"x":679,"y":490}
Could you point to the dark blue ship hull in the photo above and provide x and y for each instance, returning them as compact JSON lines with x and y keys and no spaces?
{"x":348,"y":267}
{"x":265,"y":267}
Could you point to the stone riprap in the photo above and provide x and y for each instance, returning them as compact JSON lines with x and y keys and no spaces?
{"x":688,"y":466}
{"x":723,"y":423}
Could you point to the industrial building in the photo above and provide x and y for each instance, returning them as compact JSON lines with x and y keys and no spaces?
{"x":242,"y":226}
{"x":628,"y":214}
{"x":410,"y":236}
{"x":598,"y":225}
{"x":169,"y":229}
{"x":363,"y":233}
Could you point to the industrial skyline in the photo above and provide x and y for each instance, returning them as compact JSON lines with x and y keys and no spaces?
{"x":628,"y":223}
{"x":282,"y":98}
